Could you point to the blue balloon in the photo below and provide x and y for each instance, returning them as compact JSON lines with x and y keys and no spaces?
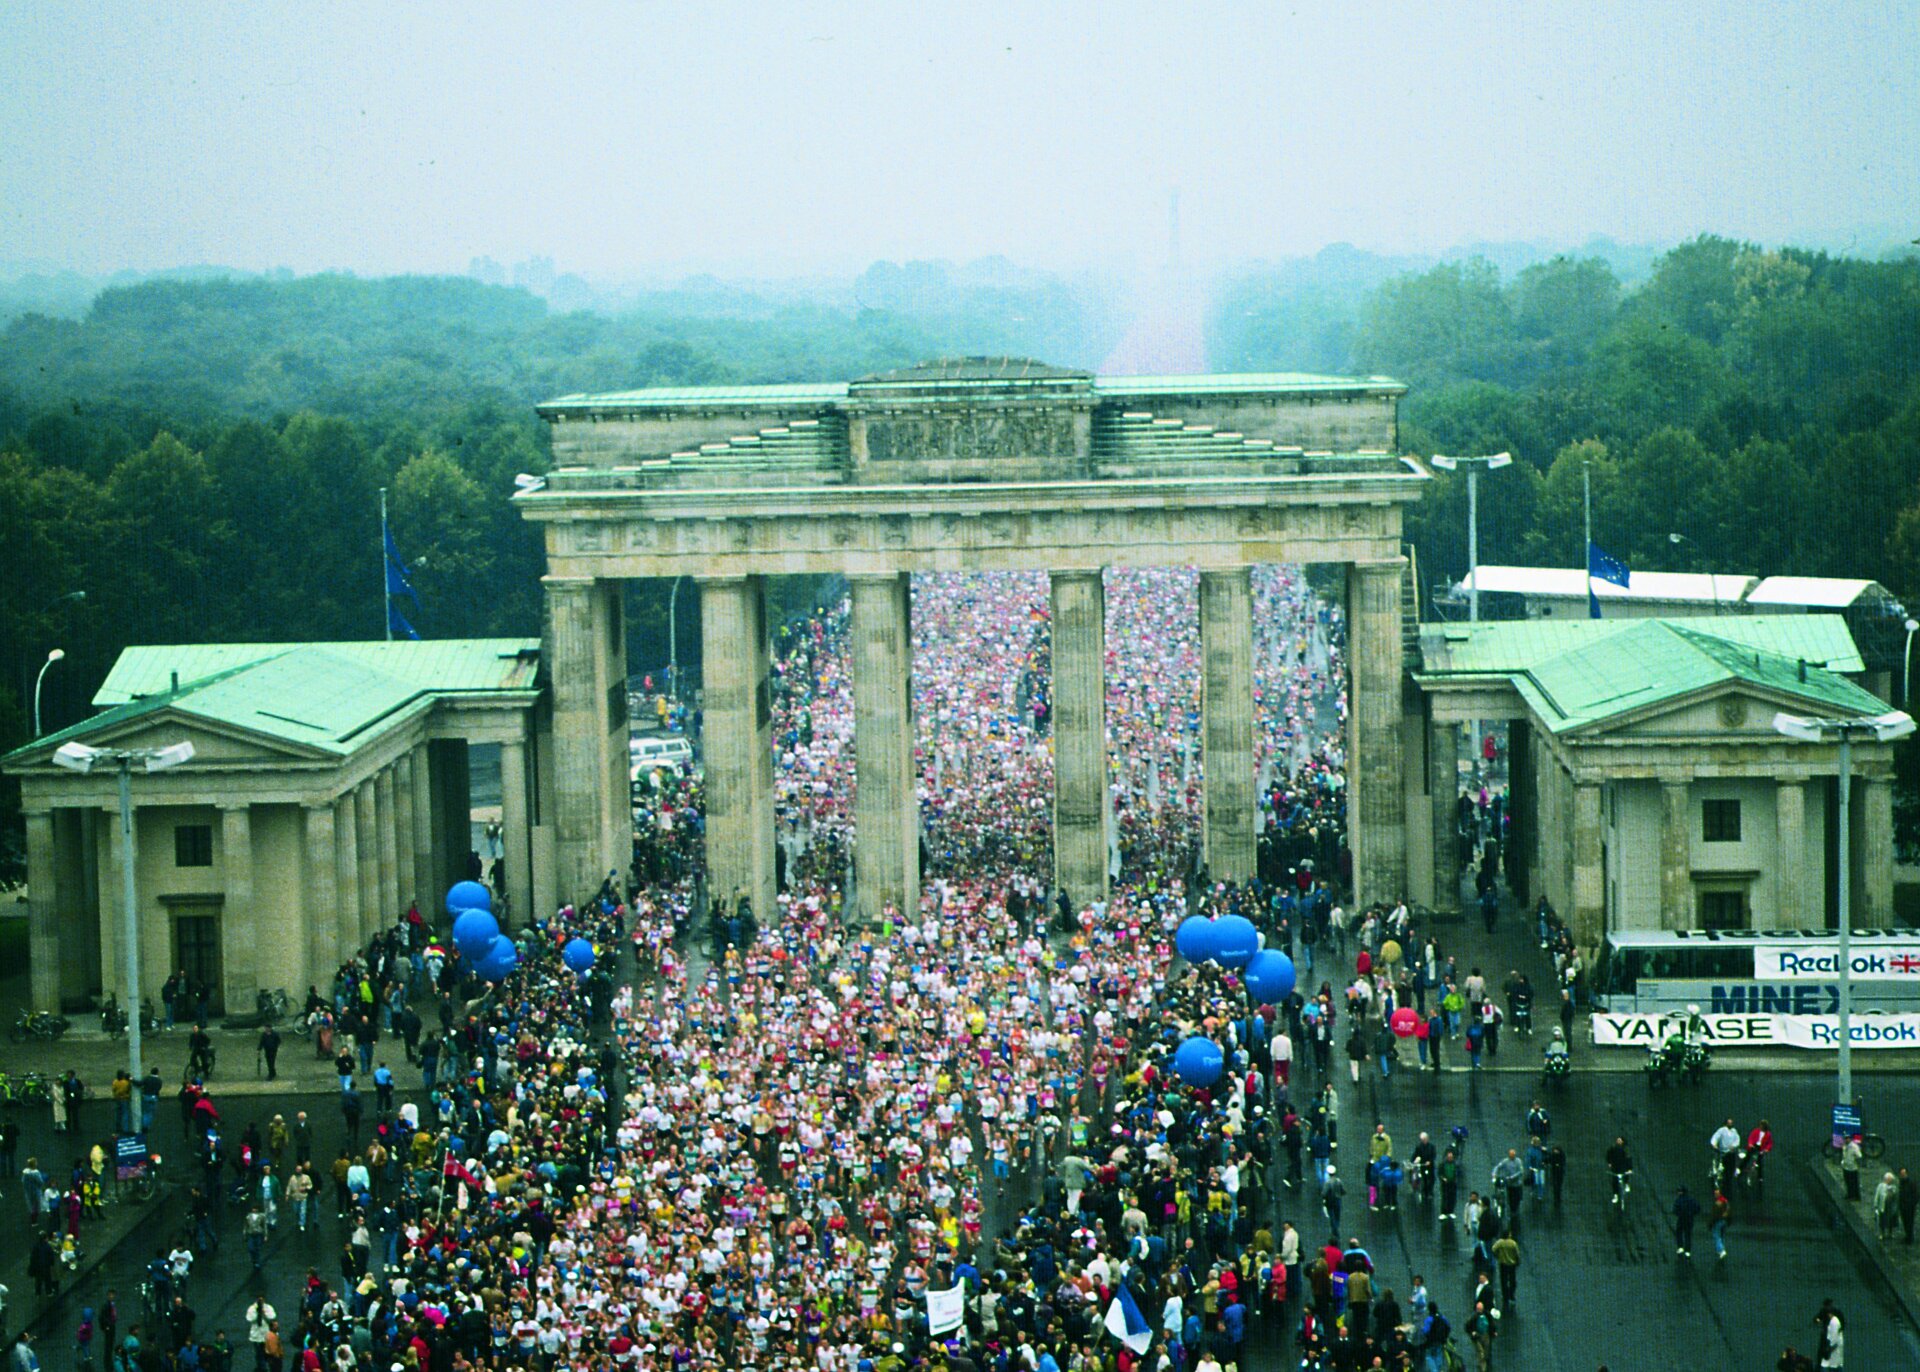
{"x":1270,"y":976}
{"x":474,"y":932}
{"x":1199,"y":1061}
{"x":578,"y":955}
{"x":1235,"y":941}
{"x":499,"y":960}
{"x":468,"y":895}
{"x":1193,"y":938}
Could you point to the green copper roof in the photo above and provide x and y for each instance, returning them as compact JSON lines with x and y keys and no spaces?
{"x":676,"y":397}
{"x":327,"y":697}
{"x":1511,"y":645}
{"x":964,"y":374}
{"x":1238,"y":383}
{"x":460,"y":664}
{"x":1654,"y":660}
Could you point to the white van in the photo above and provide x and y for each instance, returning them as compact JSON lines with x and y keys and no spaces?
{"x":658,"y":750}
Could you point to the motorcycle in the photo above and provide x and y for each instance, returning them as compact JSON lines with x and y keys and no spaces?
{"x":1695,"y":1059}
{"x":1662,"y":1062}
{"x":39,"y":1024}
{"x":1559,"y":1068}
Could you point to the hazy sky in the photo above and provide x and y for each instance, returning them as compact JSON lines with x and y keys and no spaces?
{"x":638,"y":139}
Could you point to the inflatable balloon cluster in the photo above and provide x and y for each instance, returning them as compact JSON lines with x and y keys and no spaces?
{"x":476,"y":933}
{"x":1232,"y":942}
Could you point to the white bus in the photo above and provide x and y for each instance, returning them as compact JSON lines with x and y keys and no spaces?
{"x":1755,"y":971}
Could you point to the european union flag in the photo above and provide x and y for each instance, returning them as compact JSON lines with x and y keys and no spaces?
{"x":397,"y":582}
{"x":1603,"y":566}
{"x":397,"y":622}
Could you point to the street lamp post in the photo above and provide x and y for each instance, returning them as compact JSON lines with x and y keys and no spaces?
{"x":1876,"y":729}
{"x":52,"y":658}
{"x":1713,"y":579}
{"x":1906,"y":665}
{"x":1473,"y":466}
{"x":78,"y":757}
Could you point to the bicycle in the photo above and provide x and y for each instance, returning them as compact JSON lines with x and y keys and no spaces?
{"x":1872,"y":1146}
{"x":1622,"y":1188}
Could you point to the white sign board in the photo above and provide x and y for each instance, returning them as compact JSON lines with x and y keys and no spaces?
{"x":1747,"y":1031}
{"x":1875,"y":962}
{"x":946,"y":1309}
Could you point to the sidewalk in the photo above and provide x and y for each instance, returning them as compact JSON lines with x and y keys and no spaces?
{"x":1896,"y":1260}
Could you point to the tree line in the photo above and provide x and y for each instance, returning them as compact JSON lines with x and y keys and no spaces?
{"x":203,"y":458}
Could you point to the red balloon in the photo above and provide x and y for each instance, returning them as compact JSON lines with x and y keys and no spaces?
{"x":1405,"y":1022}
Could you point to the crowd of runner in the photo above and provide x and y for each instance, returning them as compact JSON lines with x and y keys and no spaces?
{"x":766,"y":1147}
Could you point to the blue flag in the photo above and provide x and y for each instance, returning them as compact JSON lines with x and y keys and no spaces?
{"x":1126,"y":1323}
{"x":1603,"y":566}
{"x":397,"y":582}
{"x":397,"y":622}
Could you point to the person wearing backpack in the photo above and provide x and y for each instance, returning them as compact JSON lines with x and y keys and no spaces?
{"x":1435,"y":1335}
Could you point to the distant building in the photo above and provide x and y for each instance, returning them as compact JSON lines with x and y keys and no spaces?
{"x":1877,"y":621}
{"x":328,"y":791}
{"x":1649,"y":789}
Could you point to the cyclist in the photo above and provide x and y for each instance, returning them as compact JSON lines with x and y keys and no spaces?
{"x":1557,"y":1045}
{"x":1620,"y":1168}
{"x":1421,"y":1168}
{"x":1725,"y":1143}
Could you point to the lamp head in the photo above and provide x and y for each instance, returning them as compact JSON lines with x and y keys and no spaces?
{"x":75,"y":757}
{"x":171,"y":756}
{"x":56,"y":654}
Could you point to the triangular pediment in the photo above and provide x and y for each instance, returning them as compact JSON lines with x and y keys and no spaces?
{"x":1718,"y":711}
{"x":214,"y":742}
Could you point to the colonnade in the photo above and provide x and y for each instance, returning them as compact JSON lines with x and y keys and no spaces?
{"x":587,"y":653}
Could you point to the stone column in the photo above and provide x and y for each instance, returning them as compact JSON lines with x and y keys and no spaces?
{"x":428,"y":861}
{"x":586,"y":652}
{"x":513,"y":829}
{"x":1676,"y":856}
{"x":43,"y":912}
{"x":386,"y":822}
{"x":738,"y":726}
{"x":1226,"y":650}
{"x":1443,"y":794}
{"x":346,"y":854}
{"x":1873,"y":840}
{"x":241,"y":934}
{"x":1376,"y":784}
{"x":1079,"y":615}
{"x":1588,"y":917}
{"x":366,"y":824}
{"x":1523,"y":809}
{"x":1791,"y":908}
{"x":886,"y":825}
{"x":320,"y":900}
{"x":404,"y":867}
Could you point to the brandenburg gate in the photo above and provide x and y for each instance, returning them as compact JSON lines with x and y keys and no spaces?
{"x":974,"y":464}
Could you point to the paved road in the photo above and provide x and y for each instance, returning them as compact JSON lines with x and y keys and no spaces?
{"x":1598,"y":1287}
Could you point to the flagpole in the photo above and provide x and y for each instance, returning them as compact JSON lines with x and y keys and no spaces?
{"x":1586,"y":553}
{"x":386,"y":577}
